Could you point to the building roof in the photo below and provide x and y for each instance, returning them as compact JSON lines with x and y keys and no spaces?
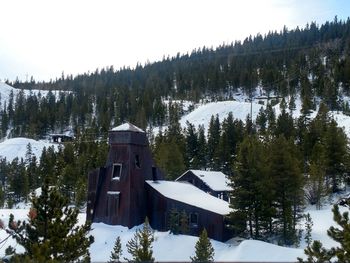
{"x":187,"y":193}
{"x":127,"y":127}
{"x":217,"y":181}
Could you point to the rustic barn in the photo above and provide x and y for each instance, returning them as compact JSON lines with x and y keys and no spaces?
{"x":202,"y":209}
{"x":116,"y":192}
{"x":130,"y":187}
{"x":211,"y":182}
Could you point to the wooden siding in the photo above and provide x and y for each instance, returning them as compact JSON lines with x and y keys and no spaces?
{"x":159,"y":208}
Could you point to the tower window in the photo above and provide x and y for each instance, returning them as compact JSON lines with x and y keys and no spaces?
{"x":137,"y":161}
{"x":117,"y":171}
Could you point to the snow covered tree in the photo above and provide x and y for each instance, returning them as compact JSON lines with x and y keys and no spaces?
{"x":51,"y":233}
{"x":117,"y":251}
{"x":140,"y":246}
{"x":204,"y":249}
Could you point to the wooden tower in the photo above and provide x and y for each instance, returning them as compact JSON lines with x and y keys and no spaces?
{"x":116,"y":192}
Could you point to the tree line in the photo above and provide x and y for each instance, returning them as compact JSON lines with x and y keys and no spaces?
{"x":313,"y":61}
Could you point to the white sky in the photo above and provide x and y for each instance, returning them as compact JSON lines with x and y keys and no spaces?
{"x":42,"y":38}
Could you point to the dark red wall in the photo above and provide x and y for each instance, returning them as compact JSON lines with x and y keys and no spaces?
{"x":132,"y":208}
{"x":160,"y":206}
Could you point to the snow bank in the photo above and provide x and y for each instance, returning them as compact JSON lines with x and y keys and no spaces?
{"x":169,"y":247}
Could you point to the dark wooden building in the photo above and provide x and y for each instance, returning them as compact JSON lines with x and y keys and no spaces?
{"x":202,"y":209}
{"x":116,"y":192}
{"x":211,"y":182}
{"x":130,"y":187}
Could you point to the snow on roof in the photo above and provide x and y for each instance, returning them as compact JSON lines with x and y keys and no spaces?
{"x":189,"y":194}
{"x":127,"y":127}
{"x":217,"y":181}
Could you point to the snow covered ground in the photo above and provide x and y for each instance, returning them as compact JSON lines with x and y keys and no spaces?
{"x":5,"y":91}
{"x":17,"y":147}
{"x":240,"y":108}
{"x":169,"y":247}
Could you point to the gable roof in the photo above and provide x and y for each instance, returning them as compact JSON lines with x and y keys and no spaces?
{"x":127,"y":127}
{"x":217,"y":181}
{"x":189,"y":194}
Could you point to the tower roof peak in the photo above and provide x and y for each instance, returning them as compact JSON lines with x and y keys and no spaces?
{"x":127,"y":126}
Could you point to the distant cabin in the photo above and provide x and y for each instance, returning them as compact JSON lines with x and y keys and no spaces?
{"x":130,"y":187}
{"x":67,"y":136}
{"x":211,"y":182}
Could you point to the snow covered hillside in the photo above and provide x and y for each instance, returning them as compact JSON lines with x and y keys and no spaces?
{"x":17,"y":147}
{"x":240,"y":108}
{"x":5,"y":91}
{"x":167,"y":247}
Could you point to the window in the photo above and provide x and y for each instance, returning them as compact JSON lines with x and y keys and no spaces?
{"x":194,"y":220}
{"x":137,"y":161}
{"x":117,"y":171}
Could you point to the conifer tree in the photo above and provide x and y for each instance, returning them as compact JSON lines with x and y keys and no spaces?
{"x":140,"y":246}
{"x":204,"y":250}
{"x":117,"y":251}
{"x":174,"y":221}
{"x":51,"y":232}
{"x":317,"y":253}
{"x":184,"y":226}
{"x":308,"y":229}
{"x":252,"y":192}
{"x":214,"y":131}
{"x":287,"y":180}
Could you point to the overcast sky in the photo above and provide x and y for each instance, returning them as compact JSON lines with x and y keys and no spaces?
{"x":45,"y":38}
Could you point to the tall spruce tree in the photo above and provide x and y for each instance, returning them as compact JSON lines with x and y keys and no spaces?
{"x":140,"y":246}
{"x":252,"y":193}
{"x":117,"y":251}
{"x":284,"y":170}
{"x":204,"y":250}
{"x":51,"y":233}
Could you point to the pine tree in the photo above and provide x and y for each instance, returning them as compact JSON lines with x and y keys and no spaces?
{"x":342,"y":235}
{"x":214,"y":131}
{"x":252,"y":192}
{"x":204,"y":249}
{"x":308,"y":229}
{"x":51,"y":232}
{"x":284,"y":170}
{"x":184,"y":225}
{"x":336,"y":154}
{"x":317,"y":253}
{"x":140,"y":246}
{"x":315,"y":187}
{"x":117,"y":251}
{"x":174,"y":221}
